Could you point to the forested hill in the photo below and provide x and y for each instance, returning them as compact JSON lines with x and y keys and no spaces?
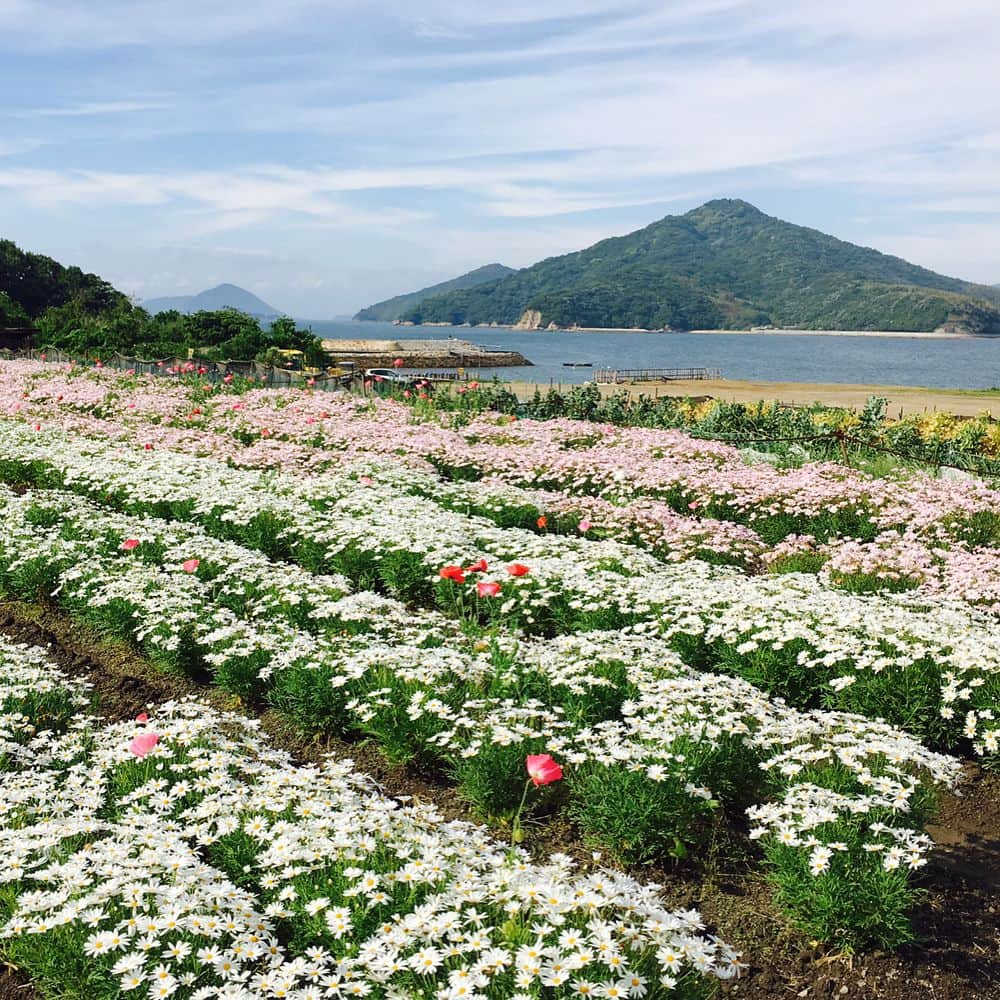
{"x":394,"y":308}
{"x":725,"y":265}
{"x":30,"y":283}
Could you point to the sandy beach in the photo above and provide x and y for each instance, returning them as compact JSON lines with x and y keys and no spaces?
{"x":902,"y":399}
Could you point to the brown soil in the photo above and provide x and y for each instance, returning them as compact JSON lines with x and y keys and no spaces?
{"x":957,"y":956}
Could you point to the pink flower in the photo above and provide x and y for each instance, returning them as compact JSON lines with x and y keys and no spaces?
{"x":542,"y":522}
{"x":487,"y":589}
{"x":190,"y":565}
{"x":142,"y":717}
{"x":542,"y":769}
{"x":584,"y":526}
{"x":477,"y":567}
{"x":147,"y":446}
{"x":129,"y":544}
{"x":398,"y":363}
{"x":143,"y":743}
{"x":366,"y":481}
{"x":518,"y":569}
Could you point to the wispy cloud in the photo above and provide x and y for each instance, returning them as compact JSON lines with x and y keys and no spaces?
{"x":90,"y":108}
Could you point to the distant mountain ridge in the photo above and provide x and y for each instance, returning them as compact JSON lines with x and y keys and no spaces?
{"x":725,"y":265}
{"x":223,"y":296}
{"x":392,"y":309}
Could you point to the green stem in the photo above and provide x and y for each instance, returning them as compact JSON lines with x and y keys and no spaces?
{"x":515,"y":837}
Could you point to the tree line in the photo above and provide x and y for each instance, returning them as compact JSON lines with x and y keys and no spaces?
{"x":83,"y":314}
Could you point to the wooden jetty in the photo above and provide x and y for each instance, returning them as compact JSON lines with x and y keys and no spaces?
{"x":617,"y":376}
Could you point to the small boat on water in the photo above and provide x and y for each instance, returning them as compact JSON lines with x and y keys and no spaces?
{"x":578,"y":364}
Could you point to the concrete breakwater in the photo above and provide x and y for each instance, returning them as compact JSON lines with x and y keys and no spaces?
{"x":422,"y":354}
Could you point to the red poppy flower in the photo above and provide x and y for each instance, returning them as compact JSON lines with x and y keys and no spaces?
{"x":518,"y":569}
{"x":542,"y":769}
{"x":477,"y":567}
{"x":454,"y":573}
{"x":542,"y":522}
{"x":129,"y":544}
{"x":487,"y":589}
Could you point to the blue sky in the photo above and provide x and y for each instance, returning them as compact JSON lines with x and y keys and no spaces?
{"x":328,"y":154}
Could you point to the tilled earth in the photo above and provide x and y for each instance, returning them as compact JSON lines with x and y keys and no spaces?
{"x":957,"y":956}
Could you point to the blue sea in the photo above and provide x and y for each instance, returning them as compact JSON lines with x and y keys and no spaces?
{"x":947,"y":364}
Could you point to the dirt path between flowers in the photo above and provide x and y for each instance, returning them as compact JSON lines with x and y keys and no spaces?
{"x":958,"y":957}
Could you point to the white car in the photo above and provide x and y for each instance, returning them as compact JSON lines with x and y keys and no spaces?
{"x":387,"y":375}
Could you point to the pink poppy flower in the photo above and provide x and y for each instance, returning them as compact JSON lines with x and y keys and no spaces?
{"x":398,"y":363}
{"x":584,"y":526}
{"x":190,"y":565}
{"x":142,"y":717}
{"x":129,"y":544}
{"x":366,"y":481}
{"x":143,"y":743}
{"x":487,"y":589}
{"x":477,"y":567}
{"x":542,"y":769}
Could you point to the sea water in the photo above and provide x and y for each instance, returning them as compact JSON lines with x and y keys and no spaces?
{"x":960,"y":363}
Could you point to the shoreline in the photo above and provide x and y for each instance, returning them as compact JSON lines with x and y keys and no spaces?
{"x":906,"y":400}
{"x":902,"y":334}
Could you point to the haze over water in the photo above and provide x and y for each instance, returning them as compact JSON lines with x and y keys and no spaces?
{"x":946,"y":364}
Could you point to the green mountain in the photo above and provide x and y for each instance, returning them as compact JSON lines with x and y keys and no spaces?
{"x":725,"y":265}
{"x":394,"y":308}
{"x":213,"y":299}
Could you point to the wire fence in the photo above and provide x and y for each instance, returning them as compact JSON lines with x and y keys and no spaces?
{"x":211,"y":371}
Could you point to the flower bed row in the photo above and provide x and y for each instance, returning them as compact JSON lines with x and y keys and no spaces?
{"x":923,"y":662}
{"x":823,"y":499}
{"x":637,"y":728}
{"x":179,"y":855}
{"x":935,"y":545}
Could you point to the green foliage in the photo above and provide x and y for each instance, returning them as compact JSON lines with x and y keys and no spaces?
{"x":724,"y":265}
{"x":493,"y":781}
{"x":36,"y":283}
{"x":635,"y":819}
{"x":11,"y":313}
{"x":84,"y":315}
